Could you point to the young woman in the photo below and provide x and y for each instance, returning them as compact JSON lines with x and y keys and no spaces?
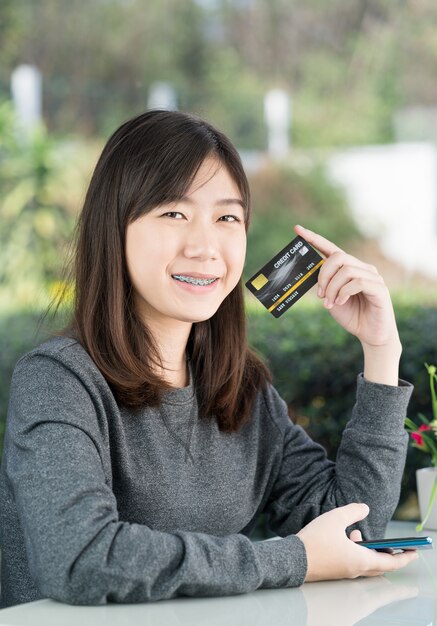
{"x":144,"y":442}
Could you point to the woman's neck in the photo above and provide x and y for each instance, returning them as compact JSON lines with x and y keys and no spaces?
{"x":180,"y":378}
{"x":172,"y":343}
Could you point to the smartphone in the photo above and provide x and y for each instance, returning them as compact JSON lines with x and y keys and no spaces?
{"x":399,"y":544}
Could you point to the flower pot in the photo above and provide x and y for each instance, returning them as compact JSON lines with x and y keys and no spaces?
{"x":425,"y":478}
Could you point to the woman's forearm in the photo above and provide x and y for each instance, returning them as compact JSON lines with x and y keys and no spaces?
{"x":381,"y":363}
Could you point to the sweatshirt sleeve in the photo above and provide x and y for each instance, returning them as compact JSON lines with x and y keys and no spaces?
{"x":79,"y":551}
{"x":368,"y":468}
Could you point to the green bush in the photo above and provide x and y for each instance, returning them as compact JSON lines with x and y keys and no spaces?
{"x":313,"y":361}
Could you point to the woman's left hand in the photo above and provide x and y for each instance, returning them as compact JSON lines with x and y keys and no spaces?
{"x":355,"y":294}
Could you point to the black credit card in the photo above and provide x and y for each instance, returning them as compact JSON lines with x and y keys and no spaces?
{"x":287,"y":277}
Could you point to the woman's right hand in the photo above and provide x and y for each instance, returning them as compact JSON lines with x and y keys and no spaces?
{"x":331,"y":555}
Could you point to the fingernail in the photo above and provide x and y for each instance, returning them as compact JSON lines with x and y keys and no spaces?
{"x":319,"y":292}
{"x":327,"y":304}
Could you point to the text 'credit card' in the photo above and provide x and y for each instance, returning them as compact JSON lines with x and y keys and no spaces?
{"x":287,"y":277}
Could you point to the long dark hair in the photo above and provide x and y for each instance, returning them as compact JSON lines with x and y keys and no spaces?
{"x":151,"y":160}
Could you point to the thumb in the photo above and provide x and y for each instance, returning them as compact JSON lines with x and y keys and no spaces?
{"x":354,"y":512}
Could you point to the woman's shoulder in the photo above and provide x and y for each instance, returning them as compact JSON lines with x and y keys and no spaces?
{"x":60,"y":372}
{"x":58,"y":382}
{"x":61,"y":348}
{"x":54,"y":345}
{"x":59,"y":353}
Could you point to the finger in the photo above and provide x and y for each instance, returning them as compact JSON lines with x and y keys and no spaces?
{"x":350,"y":281}
{"x":375,"y":290}
{"x":352,"y":513}
{"x":341,"y":261}
{"x":393,"y":562}
{"x":356,"y":535}
{"x":404,"y":558}
{"x":325,"y":246}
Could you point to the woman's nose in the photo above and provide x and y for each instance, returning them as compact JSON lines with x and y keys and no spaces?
{"x":201,"y":242}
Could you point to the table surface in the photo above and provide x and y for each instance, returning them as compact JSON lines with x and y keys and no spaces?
{"x":407,"y":597}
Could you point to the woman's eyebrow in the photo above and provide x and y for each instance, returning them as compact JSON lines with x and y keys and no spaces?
{"x":221,"y":202}
{"x":228,"y":201}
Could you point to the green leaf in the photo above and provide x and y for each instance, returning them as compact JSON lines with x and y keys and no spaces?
{"x":420,"y":526}
{"x":410,"y":425}
{"x":432,"y":369}
{"x":423,"y":418}
{"x":429,"y":441}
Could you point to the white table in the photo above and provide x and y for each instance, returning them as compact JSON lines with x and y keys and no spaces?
{"x":407,"y":597}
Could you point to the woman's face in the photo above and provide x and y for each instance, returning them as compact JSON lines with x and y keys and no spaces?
{"x":174,"y":252}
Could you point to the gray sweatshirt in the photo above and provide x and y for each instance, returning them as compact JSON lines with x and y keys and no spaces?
{"x":101,"y":504}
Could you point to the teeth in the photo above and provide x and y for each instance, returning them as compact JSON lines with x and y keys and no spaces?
{"x":194,"y":281}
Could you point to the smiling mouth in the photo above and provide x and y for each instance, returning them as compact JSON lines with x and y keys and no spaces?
{"x":201,"y":282}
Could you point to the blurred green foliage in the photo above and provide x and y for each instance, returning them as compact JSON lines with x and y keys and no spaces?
{"x":284,"y":195}
{"x":233,"y":89}
{"x":349,"y":66}
{"x":101,"y":70}
{"x":41,"y":180}
{"x":313,"y":361}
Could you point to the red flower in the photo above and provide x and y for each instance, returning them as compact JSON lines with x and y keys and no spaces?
{"x":418,"y":438}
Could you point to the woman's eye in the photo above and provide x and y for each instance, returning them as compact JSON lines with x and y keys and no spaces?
{"x":174,"y":214}
{"x":230,"y":218}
